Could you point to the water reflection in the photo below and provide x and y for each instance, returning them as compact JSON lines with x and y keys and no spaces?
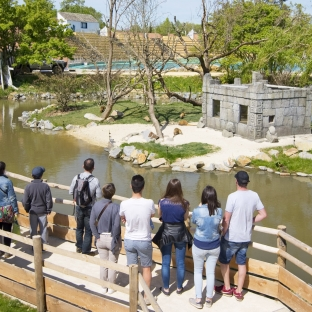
{"x":288,"y":200}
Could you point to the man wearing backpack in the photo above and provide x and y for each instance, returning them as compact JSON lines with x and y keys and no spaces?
{"x":85,"y":189}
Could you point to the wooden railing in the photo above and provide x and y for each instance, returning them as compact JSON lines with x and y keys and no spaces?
{"x":273,"y":280}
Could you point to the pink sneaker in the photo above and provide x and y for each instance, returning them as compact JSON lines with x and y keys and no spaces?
{"x":237,"y":295}
{"x":221,"y":290}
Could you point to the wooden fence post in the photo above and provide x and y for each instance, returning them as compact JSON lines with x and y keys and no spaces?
{"x":281,"y":244}
{"x":40,"y":294}
{"x":134,"y":287}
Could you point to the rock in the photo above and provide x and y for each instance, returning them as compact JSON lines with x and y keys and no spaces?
{"x":294,"y":156}
{"x":116,"y":114}
{"x":272,"y":130}
{"x":134,"y":154}
{"x":183,"y":123}
{"x":301,"y":174}
{"x":284,"y":174}
{"x":304,"y":146}
{"x":263,"y":156}
{"x":263,"y":168}
{"x":230,"y":127}
{"x":221,"y":167}
{"x":126,"y":138}
{"x":40,"y":125}
{"x":127,"y":150}
{"x":290,"y":151}
{"x":243,"y":161}
{"x":230,"y":163}
{"x":199,"y":164}
{"x":69,"y":127}
{"x":141,"y":158}
{"x":194,"y":167}
{"x":115,"y":152}
{"x":176,"y":168}
{"x":186,"y":165}
{"x":152,"y":156}
{"x":273,"y":152}
{"x":91,"y":124}
{"x":227,"y":134}
{"x":157,"y":162}
{"x":177,"y":131}
{"x":146,"y":118}
{"x":145,"y":135}
{"x":200,"y":123}
{"x":48,"y":125}
{"x":270,"y":170}
{"x":135,"y":162}
{"x":58,"y":129}
{"x":110,"y":119}
{"x":305,"y":155}
{"x":127,"y":158}
{"x":277,"y":172}
{"x":164,"y":166}
{"x":33,"y":124}
{"x":177,"y":163}
{"x":147,"y":164}
{"x":210,"y":167}
{"x":92,"y":117}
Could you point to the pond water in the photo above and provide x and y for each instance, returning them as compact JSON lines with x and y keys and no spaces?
{"x":288,"y":200}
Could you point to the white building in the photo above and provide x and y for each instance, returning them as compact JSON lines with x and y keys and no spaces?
{"x":79,"y":22}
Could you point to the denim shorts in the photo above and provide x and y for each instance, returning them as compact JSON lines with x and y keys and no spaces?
{"x":139,"y":248}
{"x":229,"y":249}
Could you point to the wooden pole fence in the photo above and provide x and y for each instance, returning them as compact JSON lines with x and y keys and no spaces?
{"x":134,"y":287}
{"x":281,"y":245}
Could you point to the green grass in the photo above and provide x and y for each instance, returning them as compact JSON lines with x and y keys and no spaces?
{"x":133,"y":113}
{"x":284,"y":163}
{"x":9,"y":305}
{"x":171,"y":153}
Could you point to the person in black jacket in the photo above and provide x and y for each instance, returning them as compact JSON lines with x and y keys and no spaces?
{"x":37,"y":201}
{"x":107,"y":232}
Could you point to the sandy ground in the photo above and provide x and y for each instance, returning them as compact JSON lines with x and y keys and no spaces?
{"x":229,"y":147}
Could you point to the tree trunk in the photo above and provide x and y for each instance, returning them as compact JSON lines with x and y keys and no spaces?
{"x":151,"y":104}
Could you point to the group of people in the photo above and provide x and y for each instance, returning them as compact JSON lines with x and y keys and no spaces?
{"x":217,"y":236}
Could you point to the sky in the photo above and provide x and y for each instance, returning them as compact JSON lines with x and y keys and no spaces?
{"x":184,"y":10}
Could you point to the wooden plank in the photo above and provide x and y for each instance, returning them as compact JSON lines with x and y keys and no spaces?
{"x":56,"y":305}
{"x":258,"y":284}
{"x":258,"y":267}
{"x":15,"y":273}
{"x":17,"y":290}
{"x":62,"y":220}
{"x":266,"y":230}
{"x":296,"y":242}
{"x":287,"y":297}
{"x":82,"y":298}
{"x":295,"y":284}
{"x":85,"y":277}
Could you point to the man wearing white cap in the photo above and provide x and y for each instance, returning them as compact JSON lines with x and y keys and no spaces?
{"x":37,"y":201}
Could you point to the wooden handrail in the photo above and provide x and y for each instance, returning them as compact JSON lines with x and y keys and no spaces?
{"x":296,"y":242}
{"x":266,"y":248}
{"x":266,"y":230}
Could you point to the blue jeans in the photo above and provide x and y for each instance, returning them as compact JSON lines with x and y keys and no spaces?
{"x":180,"y":249}
{"x":229,"y":249}
{"x":211,"y":257}
{"x":83,"y":227}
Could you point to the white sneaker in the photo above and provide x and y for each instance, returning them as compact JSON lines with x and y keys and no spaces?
{"x":110,"y":291}
{"x":104,"y":290}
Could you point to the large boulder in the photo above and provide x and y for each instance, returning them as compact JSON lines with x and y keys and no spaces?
{"x":210,"y":167}
{"x":305,"y":155}
{"x":127,"y":150}
{"x":48,"y":125}
{"x":263,"y":156}
{"x":199,"y":164}
{"x":230,"y":127}
{"x":141,"y":158}
{"x":227,"y":134}
{"x":243,"y":161}
{"x":230,"y":163}
{"x":157,"y":162}
{"x":92,"y":117}
{"x":116,"y":114}
{"x":291,"y":151}
{"x":221,"y":167}
{"x":115,"y":152}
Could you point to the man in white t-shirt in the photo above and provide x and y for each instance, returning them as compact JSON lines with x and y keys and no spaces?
{"x":236,"y":234}
{"x":136,"y":212}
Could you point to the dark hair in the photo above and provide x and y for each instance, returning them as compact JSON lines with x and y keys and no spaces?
{"x":242,"y":184}
{"x":137,"y":183}
{"x":88,"y":164}
{"x":2,"y":167}
{"x":209,"y":197}
{"x":108,"y":190}
{"x":175,"y":194}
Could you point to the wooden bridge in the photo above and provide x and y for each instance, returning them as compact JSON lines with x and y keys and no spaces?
{"x":57,"y":279}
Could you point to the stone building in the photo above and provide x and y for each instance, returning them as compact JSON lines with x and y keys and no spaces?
{"x":253,"y":108}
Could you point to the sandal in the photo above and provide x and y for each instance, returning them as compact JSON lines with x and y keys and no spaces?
{"x":179,"y":291}
{"x":166,"y":293}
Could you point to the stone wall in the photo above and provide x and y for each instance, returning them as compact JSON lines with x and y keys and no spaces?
{"x":253,"y":108}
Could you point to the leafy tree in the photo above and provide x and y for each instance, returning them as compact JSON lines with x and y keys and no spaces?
{"x":78,"y":6}
{"x":165,"y":28}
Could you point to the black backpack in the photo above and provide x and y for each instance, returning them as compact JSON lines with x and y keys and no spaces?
{"x":82,"y":194}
